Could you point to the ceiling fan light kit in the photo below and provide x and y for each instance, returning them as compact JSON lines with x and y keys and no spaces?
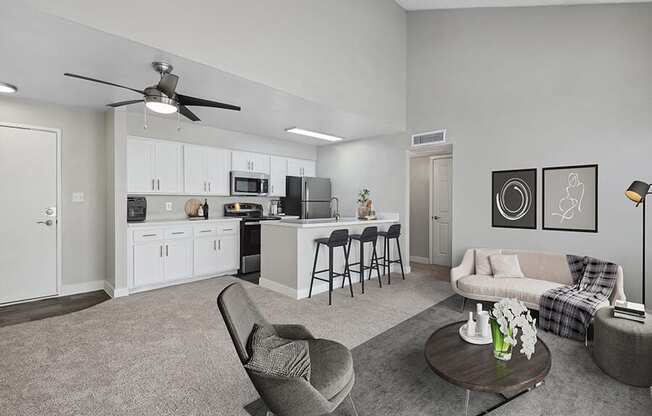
{"x":162,"y":98}
{"x":7,"y":88}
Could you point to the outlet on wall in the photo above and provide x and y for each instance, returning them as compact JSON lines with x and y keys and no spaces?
{"x":168,"y":206}
{"x":77,"y":197}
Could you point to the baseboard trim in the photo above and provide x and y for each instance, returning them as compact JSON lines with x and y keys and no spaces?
{"x":113,"y":292}
{"x":161,"y":285}
{"x":277,"y":287}
{"x":419,"y":259}
{"x":73,"y":289}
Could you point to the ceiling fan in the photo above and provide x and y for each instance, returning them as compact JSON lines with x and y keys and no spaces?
{"x":162,"y":97}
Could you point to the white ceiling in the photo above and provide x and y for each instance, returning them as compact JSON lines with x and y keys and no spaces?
{"x":464,"y":4}
{"x":37,"y":49}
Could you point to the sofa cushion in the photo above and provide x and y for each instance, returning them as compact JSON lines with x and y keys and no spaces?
{"x":523,"y":288}
{"x":332,"y":366}
{"x":482,"y":263}
{"x":552,"y":267}
{"x":505,"y":265}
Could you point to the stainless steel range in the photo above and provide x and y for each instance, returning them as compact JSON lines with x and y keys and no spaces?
{"x":252,"y":215}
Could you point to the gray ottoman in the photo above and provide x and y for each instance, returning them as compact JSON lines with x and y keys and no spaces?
{"x":623,"y":348}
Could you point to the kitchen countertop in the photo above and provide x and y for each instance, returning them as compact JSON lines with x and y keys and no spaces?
{"x":180,"y":222}
{"x":327,"y":222}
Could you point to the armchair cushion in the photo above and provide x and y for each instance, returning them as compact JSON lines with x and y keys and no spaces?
{"x":332,"y":367}
{"x":273,"y":355}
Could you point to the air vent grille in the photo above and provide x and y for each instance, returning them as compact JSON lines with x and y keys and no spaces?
{"x":429,"y":138}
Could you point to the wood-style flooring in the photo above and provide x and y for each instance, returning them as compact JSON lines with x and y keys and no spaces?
{"x":40,"y":309}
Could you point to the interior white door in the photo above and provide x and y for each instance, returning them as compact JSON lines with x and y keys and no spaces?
{"x":168,"y":167}
{"x":278,"y":171}
{"x":441,"y":194}
{"x":140,"y":166}
{"x":28,"y":247}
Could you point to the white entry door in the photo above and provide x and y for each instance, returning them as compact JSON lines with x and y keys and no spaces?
{"x":28,"y":214}
{"x":441,"y":194}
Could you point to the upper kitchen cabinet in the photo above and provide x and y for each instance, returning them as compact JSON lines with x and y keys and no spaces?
{"x":206,"y":170}
{"x":278,"y":172}
{"x":250,"y":162}
{"x":302,"y":167}
{"x":153,"y":166}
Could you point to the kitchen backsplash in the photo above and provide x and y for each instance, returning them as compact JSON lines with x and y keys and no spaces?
{"x":156,"y":205}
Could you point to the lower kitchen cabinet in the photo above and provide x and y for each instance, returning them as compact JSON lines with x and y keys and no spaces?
{"x":164,"y":255}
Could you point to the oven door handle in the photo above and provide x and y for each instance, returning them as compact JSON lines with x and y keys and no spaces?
{"x":252,"y":223}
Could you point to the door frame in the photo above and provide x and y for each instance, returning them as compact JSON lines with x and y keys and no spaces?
{"x":430,"y":207}
{"x":59,"y":222}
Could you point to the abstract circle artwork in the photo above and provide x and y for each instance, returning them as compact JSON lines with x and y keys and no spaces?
{"x":514,"y":198}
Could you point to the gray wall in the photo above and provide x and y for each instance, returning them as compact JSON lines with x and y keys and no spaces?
{"x":82,"y":170}
{"x":536,"y":87}
{"x":346,"y":54}
{"x":379,"y":164}
{"x":419,"y":206}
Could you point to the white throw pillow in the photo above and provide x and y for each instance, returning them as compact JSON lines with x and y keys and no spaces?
{"x":482,"y":264}
{"x":506,"y":265}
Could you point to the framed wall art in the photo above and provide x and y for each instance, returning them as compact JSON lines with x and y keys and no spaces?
{"x":514,"y":198}
{"x":570,"y":198}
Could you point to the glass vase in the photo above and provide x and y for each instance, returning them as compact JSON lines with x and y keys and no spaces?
{"x":502,"y":349}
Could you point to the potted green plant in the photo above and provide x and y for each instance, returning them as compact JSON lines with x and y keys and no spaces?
{"x":507,"y":317}
{"x":363,"y":203}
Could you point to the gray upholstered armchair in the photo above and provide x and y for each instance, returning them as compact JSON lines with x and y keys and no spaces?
{"x":332,"y":375}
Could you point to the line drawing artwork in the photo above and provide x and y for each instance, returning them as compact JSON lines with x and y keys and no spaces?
{"x":571,"y":203}
{"x":526,"y":199}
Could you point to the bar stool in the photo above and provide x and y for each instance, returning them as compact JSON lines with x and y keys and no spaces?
{"x":338,"y":238}
{"x":394,"y":232}
{"x":369,"y":235}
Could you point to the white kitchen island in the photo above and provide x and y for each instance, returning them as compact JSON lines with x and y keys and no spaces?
{"x":288,"y":250}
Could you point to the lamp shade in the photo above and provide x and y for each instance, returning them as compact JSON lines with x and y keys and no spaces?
{"x":637,"y":191}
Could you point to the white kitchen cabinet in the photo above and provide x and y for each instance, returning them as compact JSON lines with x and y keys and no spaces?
{"x":277,"y":173}
{"x":153,"y":166}
{"x":206,"y":170}
{"x":178,"y":259}
{"x":148,"y":263}
{"x":250,"y":162}
{"x":227,"y":253}
{"x":206,"y":256}
{"x":301,"y":167}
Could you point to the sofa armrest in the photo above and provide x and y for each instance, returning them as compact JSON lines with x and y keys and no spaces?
{"x":291,"y":331}
{"x":466,"y":267}
{"x":619,"y":290}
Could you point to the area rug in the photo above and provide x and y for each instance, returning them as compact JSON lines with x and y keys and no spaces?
{"x":392,"y":378}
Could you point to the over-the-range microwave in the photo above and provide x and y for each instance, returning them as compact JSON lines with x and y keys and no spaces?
{"x":249,"y":183}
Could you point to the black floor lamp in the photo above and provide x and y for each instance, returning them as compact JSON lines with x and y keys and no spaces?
{"x":637,"y":192}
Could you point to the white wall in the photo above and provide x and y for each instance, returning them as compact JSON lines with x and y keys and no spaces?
{"x":378,"y":164}
{"x":420,"y":207}
{"x":82,"y":170}
{"x":349,"y":55}
{"x":537,"y":87}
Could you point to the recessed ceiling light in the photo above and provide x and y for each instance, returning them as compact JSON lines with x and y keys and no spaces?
{"x":314,"y":134}
{"x":7,"y":88}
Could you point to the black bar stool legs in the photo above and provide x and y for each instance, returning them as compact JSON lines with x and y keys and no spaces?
{"x":338,"y":238}
{"x":369,"y":235}
{"x":393,"y":233}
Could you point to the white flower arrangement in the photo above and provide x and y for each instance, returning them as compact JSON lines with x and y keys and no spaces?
{"x":511,"y":314}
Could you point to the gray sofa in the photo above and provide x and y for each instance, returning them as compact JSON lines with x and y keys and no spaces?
{"x":332,"y":375}
{"x":542,"y":271}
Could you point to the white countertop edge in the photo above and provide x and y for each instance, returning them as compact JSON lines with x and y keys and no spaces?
{"x":158,"y":223}
{"x":343,"y":223}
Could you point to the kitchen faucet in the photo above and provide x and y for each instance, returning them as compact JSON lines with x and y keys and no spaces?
{"x":337,"y":208}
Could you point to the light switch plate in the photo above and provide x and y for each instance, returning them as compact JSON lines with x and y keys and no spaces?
{"x":77,"y":197}
{"x":168,"y":206}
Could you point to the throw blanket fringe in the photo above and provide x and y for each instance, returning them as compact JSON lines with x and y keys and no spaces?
{"x":568,"y":310}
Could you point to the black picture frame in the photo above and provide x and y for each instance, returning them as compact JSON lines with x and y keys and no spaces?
{"x":529,"y":220}
{"x":545,"y":223}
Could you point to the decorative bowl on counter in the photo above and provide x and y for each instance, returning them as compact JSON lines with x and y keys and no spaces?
{"x":192,"y":207}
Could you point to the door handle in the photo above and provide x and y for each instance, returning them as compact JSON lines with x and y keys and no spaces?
{"x":204,"y":186}
{"x":161,"y":251}
{"x":153,"y":184}
{"x":214,"y":245}
{"x":219,"y":245}
{"x":158,"y":184}
{"x":209,"y":186}
{"x":167,"y":251}
{"x":436,"y":217}
{"x":46,"y":222}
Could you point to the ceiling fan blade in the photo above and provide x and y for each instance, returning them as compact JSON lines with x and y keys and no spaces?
{"x":200,"y":102}
{"x":102,"y":82}
{"x":187,"y":113}
{"x":168,"y":84}
{"x":121,"y":103}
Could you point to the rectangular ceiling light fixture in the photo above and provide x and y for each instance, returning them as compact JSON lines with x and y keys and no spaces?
{"x":314,"y":134}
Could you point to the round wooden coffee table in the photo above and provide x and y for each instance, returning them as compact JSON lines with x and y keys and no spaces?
{"x":474,"y":367}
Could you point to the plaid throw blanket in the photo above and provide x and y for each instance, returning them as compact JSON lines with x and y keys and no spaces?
{"x":567,"y":310}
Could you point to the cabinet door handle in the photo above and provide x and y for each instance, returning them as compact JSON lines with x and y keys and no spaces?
{"x":214,"y":245}
{"x":167,"y":251}
{"x":227,"y":229}
{"x":209,"y":186}
{"x":158,"y":184}
{"x":149,"y":235}
{"x":219,"y":244}
{"x":204,"y":186}
{"x":153,"y":184}
{"x":205,"y":231}
{"x":178,"y":233}
{"x":161,"y":253}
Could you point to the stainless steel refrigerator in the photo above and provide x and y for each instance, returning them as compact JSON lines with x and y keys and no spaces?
{"x":307,"y":197}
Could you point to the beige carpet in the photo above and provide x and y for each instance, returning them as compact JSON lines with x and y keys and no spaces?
{"x":166,"y":352}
